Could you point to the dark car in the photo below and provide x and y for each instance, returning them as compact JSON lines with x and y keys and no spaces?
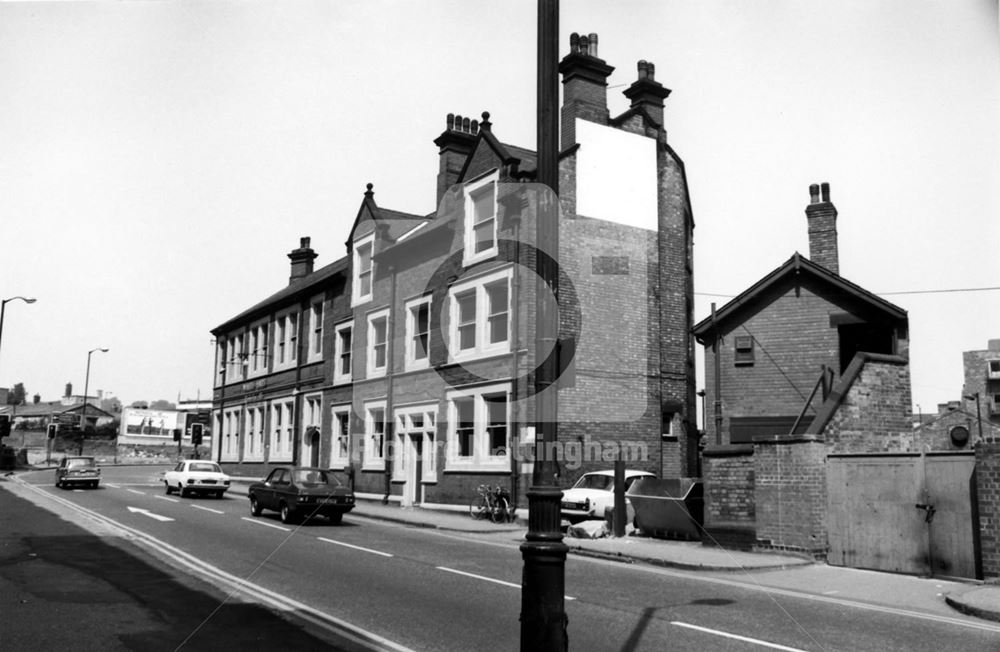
{"x":81,"y":470}
{"x":297,"y":492}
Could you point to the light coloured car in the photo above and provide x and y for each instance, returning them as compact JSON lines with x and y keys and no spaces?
{"x":594,"y":493}
{"x":196,"y":477}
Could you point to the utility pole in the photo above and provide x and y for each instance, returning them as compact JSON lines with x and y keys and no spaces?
{"x":543,"y":613}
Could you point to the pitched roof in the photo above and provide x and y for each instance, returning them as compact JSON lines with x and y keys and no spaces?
{"x":294,"y":290}
{"x":51,"y":407}
{"x":796,"y":265}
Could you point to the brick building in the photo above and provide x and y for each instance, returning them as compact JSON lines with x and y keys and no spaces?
{"x":407,"y":364}
{"x":802,"y":366}
{"x":784,"y":342}
{"x":982,"y":379}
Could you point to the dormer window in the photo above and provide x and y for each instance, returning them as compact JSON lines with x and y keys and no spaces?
{"x":363,"y":270}
{"x":481,"y":219}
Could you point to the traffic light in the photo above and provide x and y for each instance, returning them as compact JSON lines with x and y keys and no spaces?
{"x":4,"y":425}
{"x":177,"y":434}
{"x":196,"y":433}
{"x":52,"y":430}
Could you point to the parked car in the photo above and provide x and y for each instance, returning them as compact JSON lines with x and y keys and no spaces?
{"x":296,"y":492}
{"x":593,"y":493}
{"x":196,"y":477}
{"x":78,"y":470}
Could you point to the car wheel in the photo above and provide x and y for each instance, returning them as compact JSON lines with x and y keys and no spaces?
{"x":58,"y":484}
{"x":94,"y":485}
{"x":220,"y":494}
{"x":287,"y":515}
{"x":255,"y":508}
{"x":167,"y":489}
{"x":181,"y":491}
{"x":336,"y":517}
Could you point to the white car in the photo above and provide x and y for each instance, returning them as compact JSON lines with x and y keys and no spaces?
{"x":196,"y":476}
{"x":594,"y":493}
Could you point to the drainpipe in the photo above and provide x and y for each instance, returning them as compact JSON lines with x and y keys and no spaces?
{"x":718,"y":378}
{"x":222,"y":408}
{"x":515,"y":221}
{"x":390,"y":419}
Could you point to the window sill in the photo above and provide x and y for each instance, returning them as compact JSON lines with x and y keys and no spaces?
{"x":489,"y":467}
{"x":377,"y":466}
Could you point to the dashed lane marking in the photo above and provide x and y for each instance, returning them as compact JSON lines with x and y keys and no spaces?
{"x":276,"y":527}
{"x":208,"y":509}
{"x":486,"y":579}
{"x":745,"y":639}
{"x":348,"y":545}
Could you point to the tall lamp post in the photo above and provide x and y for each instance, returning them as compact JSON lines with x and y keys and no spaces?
{"x":979,"y":414}
{"x":86,"y":387}
{"x":3,"y":307}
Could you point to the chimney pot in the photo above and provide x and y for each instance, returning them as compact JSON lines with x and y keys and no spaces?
{"x":643,"y":68}
{"x":304,"y":242}
{"x":475,"y":127}
{"x":592,"y":37}
{"x":814,"y":194}
{"x":651,"y":71}
{"x":584,"y":45}
{"x":574,"y":42}
{"x":466,"y":125}
{"x":449,"y":122}
{"x":825,"y":189}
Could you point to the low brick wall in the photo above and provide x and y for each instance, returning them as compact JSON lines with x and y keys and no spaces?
{"x":790,"y":494}
{"x":988,"y":494}
{"x":730,"y":510}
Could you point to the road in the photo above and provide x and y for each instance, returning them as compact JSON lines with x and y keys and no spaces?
{"x":431,"y":590}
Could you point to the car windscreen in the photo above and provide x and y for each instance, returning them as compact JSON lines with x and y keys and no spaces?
{"x":79,"y":462}
{"x":206,"y":467}
{"x":313,"y":477}
{"x":595,"y":482}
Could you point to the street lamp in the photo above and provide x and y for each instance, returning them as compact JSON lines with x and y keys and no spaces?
{"x":979,"y":414}
{"x":86,"y":386}
{"x":3,"y":307}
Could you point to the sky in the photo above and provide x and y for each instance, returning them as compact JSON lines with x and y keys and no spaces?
{"x":158,"y":160}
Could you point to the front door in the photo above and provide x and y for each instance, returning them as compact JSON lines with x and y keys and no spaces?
{"x":412,"y":487}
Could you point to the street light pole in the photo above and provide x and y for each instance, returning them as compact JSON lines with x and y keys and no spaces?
{"x":979,"y":414}
{"x":86,"y":387}
{"x":3,"y":307}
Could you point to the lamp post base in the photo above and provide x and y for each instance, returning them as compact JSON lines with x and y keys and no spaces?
{"x":543,"y":590}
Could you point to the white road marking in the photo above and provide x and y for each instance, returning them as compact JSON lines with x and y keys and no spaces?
{"x":276,"y":527}
{"x":487,"y":579}
{"x":207,"y":509}
{"x":79,"y":491}
{"x":235,"y":584}
{"x":146,"y":512}
{"x":108,"y":484}
{"x":173,"y":500}
{"x":134,"y":491}
{"x":347,"y":545}
{"x":830,"y":592}
{"x":745,"y":639}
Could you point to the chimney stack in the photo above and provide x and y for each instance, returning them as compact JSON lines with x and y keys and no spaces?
{"x":822,"y":217}
{"x":302,"y":260}
{"x":69,"y":390}
{"x":585,"y":86}
{"x":455,"y":144}
{"x":646,"y":93}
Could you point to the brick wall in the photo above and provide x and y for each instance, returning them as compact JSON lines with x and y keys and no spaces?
{"x":730,"y":506}
{"x":988,"y":489}
{"x":790,"y":494}
{"x":874,"y":415}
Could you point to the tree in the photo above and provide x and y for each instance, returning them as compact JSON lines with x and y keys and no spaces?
{"x":17,"y":395}
{"x":161,"y":405}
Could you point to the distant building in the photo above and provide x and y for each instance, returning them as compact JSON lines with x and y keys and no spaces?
{"x":145,"y":426}
{"x":982,"y":377}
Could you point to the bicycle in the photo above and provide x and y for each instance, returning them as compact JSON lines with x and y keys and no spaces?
{"x":491,"y":503}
